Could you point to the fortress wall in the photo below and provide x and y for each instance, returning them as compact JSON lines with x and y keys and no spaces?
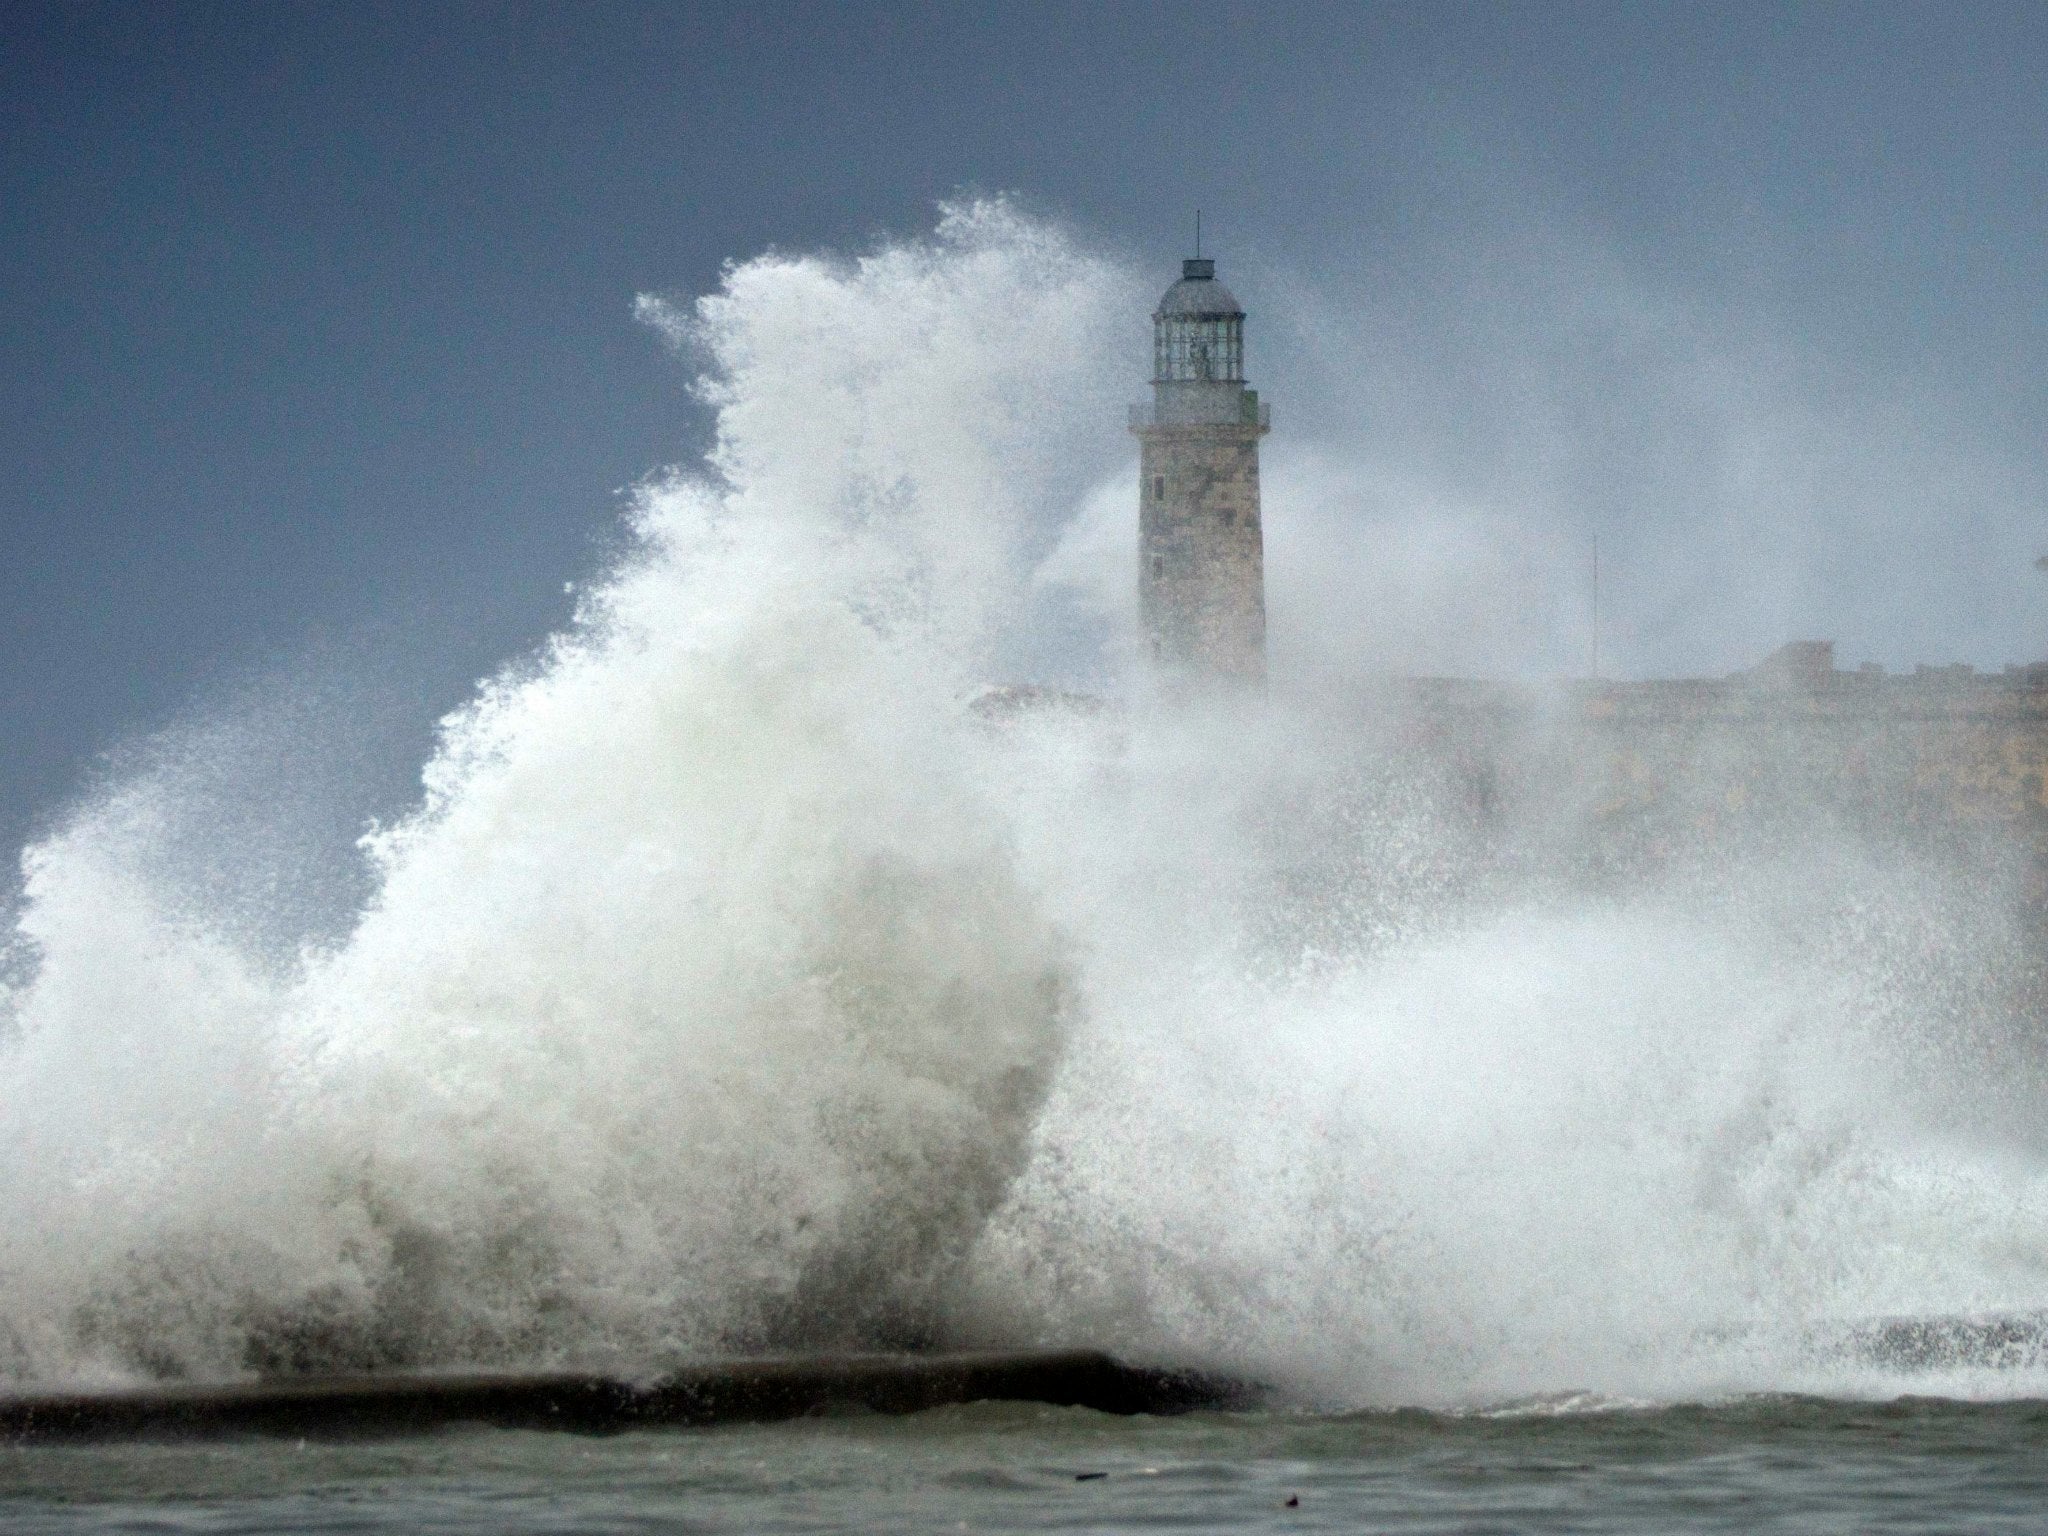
{"x":1831,"y":813}
{"x":1889,"y":757}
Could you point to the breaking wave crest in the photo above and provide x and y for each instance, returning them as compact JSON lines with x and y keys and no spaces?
{"x":701,"y":1003}
{"x":734,"y":986}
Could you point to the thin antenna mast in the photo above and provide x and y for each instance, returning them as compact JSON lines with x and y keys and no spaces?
{"x":1198,"y":234}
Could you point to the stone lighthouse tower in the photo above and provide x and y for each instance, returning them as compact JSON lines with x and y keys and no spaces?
{"x":1201,"y":574}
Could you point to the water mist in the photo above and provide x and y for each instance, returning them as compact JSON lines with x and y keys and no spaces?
{"x":735,"y":985}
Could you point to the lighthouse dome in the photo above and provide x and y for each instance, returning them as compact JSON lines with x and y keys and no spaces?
{"x":1198,"y":296}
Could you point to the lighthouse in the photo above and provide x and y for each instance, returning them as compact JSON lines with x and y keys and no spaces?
{"x":1201,"y":551}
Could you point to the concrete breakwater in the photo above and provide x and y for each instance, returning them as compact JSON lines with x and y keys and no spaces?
{"x":713,"y":1392}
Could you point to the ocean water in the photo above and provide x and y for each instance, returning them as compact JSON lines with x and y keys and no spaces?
{"x":1758,"y":1464}
{"x":736,"y":983}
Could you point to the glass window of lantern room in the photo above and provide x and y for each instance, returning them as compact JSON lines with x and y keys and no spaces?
{"x":1218,"y":350}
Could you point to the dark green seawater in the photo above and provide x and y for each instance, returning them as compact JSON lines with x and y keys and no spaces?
{"x":1757,"y":1464}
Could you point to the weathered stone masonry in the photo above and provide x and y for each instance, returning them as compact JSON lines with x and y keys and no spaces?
{"x":1203,"y":586}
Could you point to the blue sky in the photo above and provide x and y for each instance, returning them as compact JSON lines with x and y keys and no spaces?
{"x":321,"y":362}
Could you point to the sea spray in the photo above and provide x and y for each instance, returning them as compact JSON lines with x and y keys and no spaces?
{"x":699,"y":1006}
{"x":1384,"y":1112}
{"x":738,"y":984}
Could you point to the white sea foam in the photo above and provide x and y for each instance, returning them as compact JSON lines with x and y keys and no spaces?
{"x":734,"y":986}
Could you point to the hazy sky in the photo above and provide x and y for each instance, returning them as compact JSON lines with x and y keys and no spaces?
{"x":321,"y":359}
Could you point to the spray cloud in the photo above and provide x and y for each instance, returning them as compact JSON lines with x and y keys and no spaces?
{"x":734,"y":986}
